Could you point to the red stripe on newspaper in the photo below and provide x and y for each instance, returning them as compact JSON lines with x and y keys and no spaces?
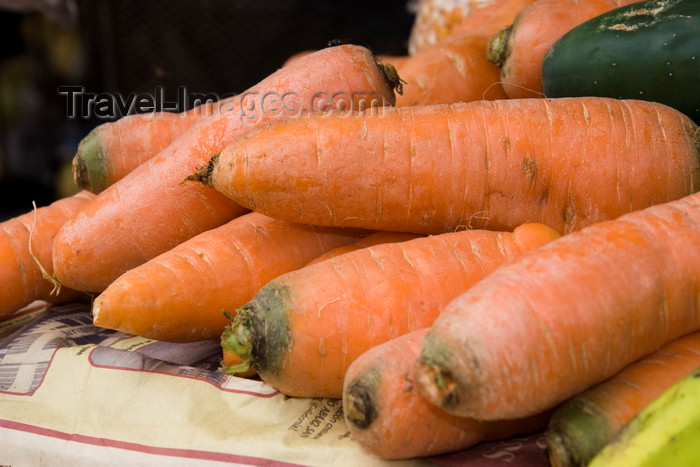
{"x":161,"y":451}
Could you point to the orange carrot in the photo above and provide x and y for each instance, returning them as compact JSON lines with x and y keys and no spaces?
{"x":456,"y":69}
{"x":302,"y":329}
{"x":179,"y":295}
{"x":453,"y":70}
{"x":584,"y":424}
{"x":493,"y":14}
{"x":25,"y":255}
{"x":519,"y":49}
{"x":436,"y":20}
{"x":152,"y":209}
{"x":566,"y":316}
{"x":376,"y":238}
{"x":387,"y":416}
{"x":567,"y":163}
{"x":113,"y":149}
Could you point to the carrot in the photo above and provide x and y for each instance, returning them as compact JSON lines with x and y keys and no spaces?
{"x":231,"y":361}
{"x":497,"y":13}
{"x":567,"y":316}
{"x":179,"y":295}
{"x":453,"y":70}
{"x":303,"y":328}
{"x":387,"y":416}
{"x":113,"y":149}
{"x":481,"y":164}
{"x":25,"y":255}
{"x":456,"y":69}
{"x":376,"y":238}
{"x":584,"y":424}
{"x":519,"y":49}
{"x":152,"y":209}
{"x":436,"y":20}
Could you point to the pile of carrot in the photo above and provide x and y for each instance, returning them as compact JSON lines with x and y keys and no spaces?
{"x":454,"y":256}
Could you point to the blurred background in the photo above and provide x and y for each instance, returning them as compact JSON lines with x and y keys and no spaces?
{"x":134,"y":46}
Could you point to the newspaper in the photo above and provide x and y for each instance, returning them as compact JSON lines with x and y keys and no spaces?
{"x":75,"y":394}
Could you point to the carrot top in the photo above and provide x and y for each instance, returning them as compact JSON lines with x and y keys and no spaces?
{"x":241,"y":340}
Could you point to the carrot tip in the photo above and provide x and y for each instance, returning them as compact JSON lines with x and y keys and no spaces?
{"x":577,"y":430}
{"x":360,"y":410}
{"x":437,"y":384}
{"x":88,"y":164}
{"x":236,"y":339}
{"x":497,"y":49}
{"x":203,"y":174}
{"x":390,"y":75}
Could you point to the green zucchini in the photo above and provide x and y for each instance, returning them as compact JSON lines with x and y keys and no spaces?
{"x":648,"y":50}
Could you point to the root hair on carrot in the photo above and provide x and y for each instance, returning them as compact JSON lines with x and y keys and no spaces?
{"x":56,"y":284}
{"x":480,"y":216}
{"x":524,"y":88}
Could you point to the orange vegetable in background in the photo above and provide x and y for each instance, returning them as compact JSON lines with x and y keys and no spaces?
{"x":587,"y":305}
{"x":567,"y":163}
{"x":180,"y":295}
{"x":302,"y":329}
{"x":436,"y":19}
{"x":456,"y":69}
{"x":152,"y":209}
{"x":387,"y":416}
{"x":25,"y":255}
{"x":519,"y":49}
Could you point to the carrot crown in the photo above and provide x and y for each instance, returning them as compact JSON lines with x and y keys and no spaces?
{"x":390,"y":75}
{"x":89,"y":163}
{"x":360,"y":409}
{"x":576,"y":432}
{"x":203,"y":174}
{"x":259,"y":333}
{"x":496,"y":51}
{"x":236,"y":339}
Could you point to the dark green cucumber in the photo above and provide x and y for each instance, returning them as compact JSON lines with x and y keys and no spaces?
{"x":648,"y":50}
